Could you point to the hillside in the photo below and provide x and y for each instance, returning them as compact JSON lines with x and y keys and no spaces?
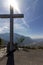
{"x":17,"y":37}
{"x":22,"y":40}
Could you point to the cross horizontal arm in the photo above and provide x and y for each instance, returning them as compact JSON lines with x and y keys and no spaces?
{"x":11,"y":16}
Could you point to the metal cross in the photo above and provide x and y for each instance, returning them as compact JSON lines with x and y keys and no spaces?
{"x":11,"y":16}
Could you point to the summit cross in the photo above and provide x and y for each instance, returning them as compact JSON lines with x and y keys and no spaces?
{"x":11,"y":16}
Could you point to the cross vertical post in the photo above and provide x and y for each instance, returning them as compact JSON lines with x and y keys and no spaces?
{"x":11,"y":28}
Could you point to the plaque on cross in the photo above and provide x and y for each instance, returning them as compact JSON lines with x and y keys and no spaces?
{"x":11,"y":16}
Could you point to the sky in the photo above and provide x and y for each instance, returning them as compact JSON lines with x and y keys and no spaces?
{"x":32,"y":23}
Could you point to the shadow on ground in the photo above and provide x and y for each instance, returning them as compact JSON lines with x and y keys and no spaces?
{"x":10,"y":60}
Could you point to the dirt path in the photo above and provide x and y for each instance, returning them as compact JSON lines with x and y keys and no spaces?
{"x":33,"y":57}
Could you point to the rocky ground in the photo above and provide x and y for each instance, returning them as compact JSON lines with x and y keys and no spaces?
{"x":2,"y":52}
{"x":32,"y":57}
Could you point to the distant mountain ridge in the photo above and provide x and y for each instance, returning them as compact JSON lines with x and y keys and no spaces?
{"x":27,"y":40}
{"x":39,"y":40}
{"x":6,"y":36}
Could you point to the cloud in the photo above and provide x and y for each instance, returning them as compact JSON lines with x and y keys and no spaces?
{"x":5,"y":2}
{"x":4,"y":27}
{"x":33,"y":5}
{"x":19,"y":27}
{"x":37,"y":36}
{"x":32,"y":20}
{"x":23,"y":20}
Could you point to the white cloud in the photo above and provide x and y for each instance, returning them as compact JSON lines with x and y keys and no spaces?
{"x":6,"y":6}
{"x":37,"y":36}
{"x":33,"y":5}
{"x":19,"y":27}
{"x":4,"y":27}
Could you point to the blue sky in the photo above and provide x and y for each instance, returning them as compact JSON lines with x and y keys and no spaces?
{"x":32,"y":23}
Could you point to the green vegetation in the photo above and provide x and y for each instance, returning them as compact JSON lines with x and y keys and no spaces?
{"x":1,"y":41}
{"x":21,"y":40}
{"x":26,"y":48}
{"x":40,"y":47}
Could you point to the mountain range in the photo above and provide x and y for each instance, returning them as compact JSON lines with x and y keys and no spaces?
{"x":27,"y":40}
